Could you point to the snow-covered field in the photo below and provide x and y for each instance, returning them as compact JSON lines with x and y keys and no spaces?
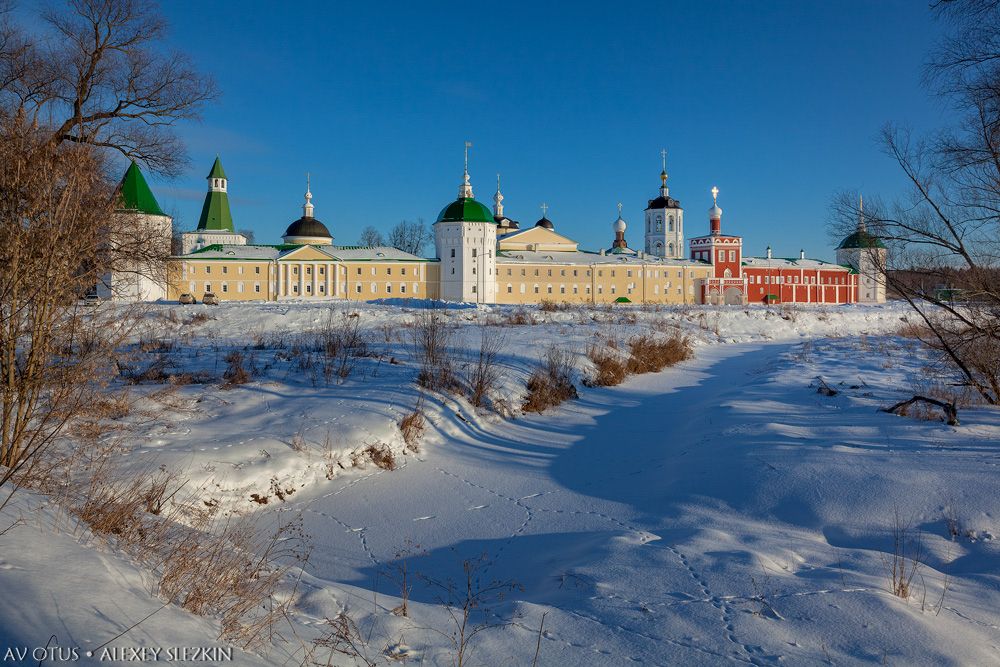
{"x":721,"y":511}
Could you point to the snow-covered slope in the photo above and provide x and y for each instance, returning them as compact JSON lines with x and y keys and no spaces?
{"x":719,"y":512}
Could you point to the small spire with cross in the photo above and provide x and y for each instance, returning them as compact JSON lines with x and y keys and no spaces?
{"x":663,"y":174}
{"x":307,"y":208}
{"x":498,"y":201}
{"x":861,"y":213}
{"x":465,"y":190}
{"x":545,"y":209}
{"x":619,"y":209}
{"x":715,"y":196}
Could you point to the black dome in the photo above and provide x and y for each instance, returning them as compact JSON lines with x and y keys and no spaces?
{"x":546,"y":223}
{"x":308,"y":227}
{"x":663,"y":202}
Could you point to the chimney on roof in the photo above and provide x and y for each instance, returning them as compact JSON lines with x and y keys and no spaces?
{"x":769,"y":252}
{"x":802,"y":254}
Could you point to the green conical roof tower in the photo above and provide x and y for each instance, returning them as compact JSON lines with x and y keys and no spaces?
{"x":134,"y":193}
{"x":215,"y":215}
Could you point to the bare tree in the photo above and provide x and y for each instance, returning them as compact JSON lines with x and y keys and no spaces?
{"x":370,"y":237}
{"x":97,"y":84}
{"x":55,"y":220}
{"x":410,"y":236}
{"x":100,"y":78}
{"x":942,"y":237}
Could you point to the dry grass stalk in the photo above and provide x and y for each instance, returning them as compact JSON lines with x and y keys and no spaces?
{"x":903,"y":563}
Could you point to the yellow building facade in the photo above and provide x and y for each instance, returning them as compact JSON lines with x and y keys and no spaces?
{"x":507,"y":265}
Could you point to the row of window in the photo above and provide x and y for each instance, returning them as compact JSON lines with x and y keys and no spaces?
{"x":475,"y":253}
{"x":795,"y":280}
{"x":600,"y":289}
{"x":224,"y":287}
{"x":388,"y":288}
{"x":655,"y":273}
{"x":224,"y":269}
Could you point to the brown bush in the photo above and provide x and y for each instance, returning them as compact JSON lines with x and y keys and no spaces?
{"x":609,"y":368}
{"x":552,"y":383}
{"x":234,"y":572}
{"x":378,"y":453}
{"x":235,"y":373}
{"x":519,"y":317}
{"x":431,"y":339}
{"x":412,"y":427}
{"x":547,"y":306}
{"x":484,"y":371}
{"x":651,"y":355}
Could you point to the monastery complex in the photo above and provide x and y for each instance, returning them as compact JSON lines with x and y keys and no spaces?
{"x":482,"y":256}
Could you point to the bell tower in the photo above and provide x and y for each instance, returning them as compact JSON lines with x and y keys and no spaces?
{"x":664,"y":221}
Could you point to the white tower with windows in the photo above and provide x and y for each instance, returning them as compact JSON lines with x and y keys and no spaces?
{"x":866,"y":254}
{"x":665,"y":222}
{"x":465,"y":238}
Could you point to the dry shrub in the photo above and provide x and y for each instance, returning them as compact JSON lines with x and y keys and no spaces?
{"x":412,"y":427}
{"x":194,"y":377}
{"x":519,"y":317}
{"x":342,"y":342}
{"x":156,"y":345}
{"x":552,"y":382}
{"x":609,"y":368}
{"x":484,"y":372}
{"x":378,"y":453}
{"x":156,"y":371}
{"x":234,"y":572}
{"x":431,"y":339}
{"x":235,"y":373}
{"x":553,"y":306}
{"x":198,"y":318}
{"x":650,"y":355}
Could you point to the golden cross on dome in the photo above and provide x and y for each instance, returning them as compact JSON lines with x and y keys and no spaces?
{"x":468,"y":145}
{"x":663,"y":154}
{"x":545,"y":208}
{"x":619,"y":209}
{"x":715,"y":194}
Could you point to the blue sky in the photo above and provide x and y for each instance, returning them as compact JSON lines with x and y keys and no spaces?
{"x":777,"y":103}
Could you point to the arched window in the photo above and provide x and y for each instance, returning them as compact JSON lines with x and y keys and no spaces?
{"x":670,"y":224}
{"x":670,"y":249}
{"x":659,"y":223}
{"x":728,"y":274}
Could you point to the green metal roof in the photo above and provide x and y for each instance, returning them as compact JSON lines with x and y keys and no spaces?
{"x":861,"y":239}
{"x":465,"y":209}
{"x":134,"y":193}
{"x":217,"y":170}
{"x":215,"y":215}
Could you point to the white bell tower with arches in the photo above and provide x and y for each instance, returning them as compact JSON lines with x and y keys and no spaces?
{"x":664,"y":222}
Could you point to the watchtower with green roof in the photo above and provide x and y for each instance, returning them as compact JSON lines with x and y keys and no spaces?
{"x":215,"y":226}
{"x":134,"y":195}
{"x":465,"y":237}
{"x":865,"y":253}
{"x":140,"y":217}
{"x":215,"y":215}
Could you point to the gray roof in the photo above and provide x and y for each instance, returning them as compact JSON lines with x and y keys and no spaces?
{"x":790,"y":263}
{"x":375,"y":253}
{"x":583,"y":257}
